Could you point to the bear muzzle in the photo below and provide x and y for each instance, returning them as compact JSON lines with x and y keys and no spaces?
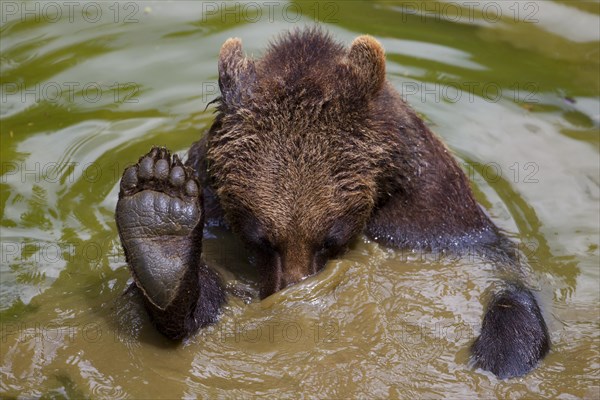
{"x":288,"y":269}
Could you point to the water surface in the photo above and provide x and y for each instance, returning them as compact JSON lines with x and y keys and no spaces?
{"x":512,"y":88}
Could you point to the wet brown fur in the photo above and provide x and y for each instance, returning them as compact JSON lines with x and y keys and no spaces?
{"x":312,"y":146}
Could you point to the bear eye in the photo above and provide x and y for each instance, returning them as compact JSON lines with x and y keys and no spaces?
{"x":330,"y":242}
{"x":266,"y":244}
{"x":337,"y":238}
{"x":254,"y":235}
{"x":329,"y":248}
{"x":260,"y":242}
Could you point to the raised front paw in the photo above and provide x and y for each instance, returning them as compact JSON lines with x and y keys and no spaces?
{"x":159,"y":217}
{"x":514,"y":336}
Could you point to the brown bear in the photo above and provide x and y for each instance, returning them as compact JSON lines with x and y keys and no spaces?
{"x":312,"y":146}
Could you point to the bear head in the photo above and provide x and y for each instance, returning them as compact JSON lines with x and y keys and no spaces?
{"x":296,"y":155}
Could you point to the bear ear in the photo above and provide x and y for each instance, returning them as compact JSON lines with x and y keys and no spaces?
{"x":236,"y":72}
{"x":367,"y":60}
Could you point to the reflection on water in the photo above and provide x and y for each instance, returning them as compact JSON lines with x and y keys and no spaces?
{"x":512,"y":87}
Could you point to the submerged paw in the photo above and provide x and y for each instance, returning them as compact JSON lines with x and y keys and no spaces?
{"x":514,"y":336}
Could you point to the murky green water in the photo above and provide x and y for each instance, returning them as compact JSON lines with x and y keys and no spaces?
{"x":511,"y":86}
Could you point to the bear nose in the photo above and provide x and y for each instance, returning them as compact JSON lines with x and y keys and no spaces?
{"x":296,"y":266}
